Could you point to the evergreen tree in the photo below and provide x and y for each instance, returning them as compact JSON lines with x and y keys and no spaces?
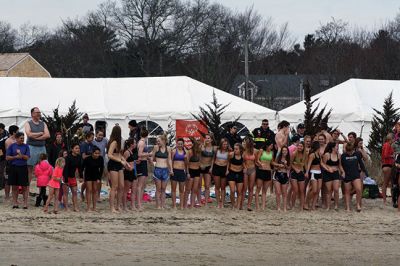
{"x":210,"y":118}
{"x":314,"y":120}
{"x":66,"y":124}
{"x":382,"y":123}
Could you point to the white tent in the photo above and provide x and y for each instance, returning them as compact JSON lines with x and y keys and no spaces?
{"x":352,"y":104}
{"x":118,"y":100}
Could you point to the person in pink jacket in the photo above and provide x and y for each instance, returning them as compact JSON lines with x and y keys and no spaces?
{"x":43,"y":172}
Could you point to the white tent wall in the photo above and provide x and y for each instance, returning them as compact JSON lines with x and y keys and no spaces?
{"x":117,"y":100}
{"x":352,"y":104}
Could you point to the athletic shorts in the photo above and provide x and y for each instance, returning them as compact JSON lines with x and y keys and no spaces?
{"x":205,"y":170}
{"x":219,"y":170}
{"x":350,"y":179}
{"x":71,"y":182}
{"x":35,"y":152}
{"x":179,"y":175}
{"x":297,"y":176}
{"x":90,"y":179}
{"x":235,"y":177}
{"x":328,"y":177}
{"x":129,"y":176}
{"x":264,"y":175}
{"x":282,"y":178}
{"x":114,"y":166}
{"x":161,"y":174}
{"x":18,"y":176}
{"x":141,"y":169}
{"x":194,"y":173}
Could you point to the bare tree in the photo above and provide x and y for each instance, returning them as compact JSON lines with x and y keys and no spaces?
{"x":29,"y":34}
{"x":8,"y":37}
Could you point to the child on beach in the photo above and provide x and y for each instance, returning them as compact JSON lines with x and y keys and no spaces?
{"x":43,"y":172}
{"x":54,"y":184}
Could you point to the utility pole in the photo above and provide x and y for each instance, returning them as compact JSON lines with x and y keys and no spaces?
{"x":246,"y":68}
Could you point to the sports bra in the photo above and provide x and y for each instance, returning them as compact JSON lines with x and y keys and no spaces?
{"x":248,"y":157}
{"x":332,"y":163}
{"x":194,"y":158}
{"x":235,"y":161}
{"x":162,"y":155}
{"x":316,"y":160}
{"x":221,"y":156}
{"x":131,"y":157}
{"x":266,"y":157}
{"x":178,"y":156}
{"x":208,"y":154}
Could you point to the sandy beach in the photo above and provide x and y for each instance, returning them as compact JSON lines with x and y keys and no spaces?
{"x":201,"y":236}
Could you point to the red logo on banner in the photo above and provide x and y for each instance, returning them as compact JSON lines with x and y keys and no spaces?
{"x":189,"y":129}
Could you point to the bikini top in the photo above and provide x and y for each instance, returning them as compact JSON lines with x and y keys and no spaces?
{"x":221,"y":156}
{"x":299,"y":161}
{"x":208,"y":154}
{"x":248,"y":157}
{"x":316,"y":160}
{"x":162,"y":155}
{"x":178,"y":156}
{"x":330,"y":162}
{"x":266,"y":157}
{"x":235,"y":161}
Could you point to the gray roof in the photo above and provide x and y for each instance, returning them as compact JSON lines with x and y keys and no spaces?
{"x":283,"y":85}
{"x":7,"y":61}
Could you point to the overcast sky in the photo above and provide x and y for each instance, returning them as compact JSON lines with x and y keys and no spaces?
{"x":303,"y":16}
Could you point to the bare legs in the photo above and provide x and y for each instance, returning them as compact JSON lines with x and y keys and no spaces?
{"x":192,"y":186}
{"x":220,"y":190}
{"x":297,"y":192}
{"x":281,"y":190}
{"x":117,"y":189}
{"x":174,"y":184}
{"x":248,"y":186}
{"x":91,"y":194}
{"x":53,"y":193}
{"x":140,"y":189}
{"x":387,"y":171}
{"x":357,"y":184}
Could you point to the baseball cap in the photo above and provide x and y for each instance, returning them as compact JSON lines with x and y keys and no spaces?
{"x":295,"y":138}
{"x":301,"y":125}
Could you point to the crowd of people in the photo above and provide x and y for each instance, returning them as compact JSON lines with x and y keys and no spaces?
{"x":303,"y":171}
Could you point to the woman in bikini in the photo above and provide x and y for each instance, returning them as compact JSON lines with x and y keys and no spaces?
{"x":281,"y":178}
{"x":313,"y":172}
{"x":192,"y":184}
{"x":249,"y":156}
{"x":235,"y":174}
{"x":180,"y":174}
{"x":331,"y":163}
{"x":206,"y":159}
{"x":162,"y":169}
{"x":115,"y":166}
{"x":265,"y":159}
{"x":219,"y":169}
{"x":298,"y":163}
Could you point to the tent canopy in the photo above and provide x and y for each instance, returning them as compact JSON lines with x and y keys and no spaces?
{"x":159,"y":99}
{"x":352,"y":103}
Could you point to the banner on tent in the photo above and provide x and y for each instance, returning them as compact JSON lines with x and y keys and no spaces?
{"x":189,"y":129}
